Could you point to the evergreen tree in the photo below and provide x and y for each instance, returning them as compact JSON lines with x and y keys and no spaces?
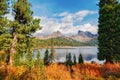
{"x":70,"y":62}
{"x":3,"y":8}
{"x":109,"y":41}
{"x":39,"y":64}
{"x":5,"y":37}
{"x":52,"y":54}
{"x":21,"y":29}
{"x":80,"y":59}
{"x":46,"y":57}
{"x":74,"y":58}
{"x":67,"y":59}
{"x":38,"y":56}
{"x":117,"y":34}
{"x":29,"y":60}
{"x":39,"y":61}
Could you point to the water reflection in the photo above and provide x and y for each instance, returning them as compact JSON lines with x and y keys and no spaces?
{"x":89,"y":53}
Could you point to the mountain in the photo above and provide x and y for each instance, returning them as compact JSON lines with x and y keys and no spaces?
{"x":57,"y":34}
{"x":81,"y":36}
{"x":84,"y":36}
{"x":87,"y":34}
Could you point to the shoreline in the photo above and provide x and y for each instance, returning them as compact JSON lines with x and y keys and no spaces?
{"x":66,"y":47}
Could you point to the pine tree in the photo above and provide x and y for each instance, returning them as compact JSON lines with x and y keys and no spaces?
{"x":69,"y":59}
{"x":29,"y":60}
{"x":74,"y":58}
{"x":108,"y":30}
{"x":66,"y":59}
{"x":39,"y":65}
{"x":5,"y":37}
{"x":46,"y":57}
{"x":22,"y":28}
{"x":52,"y":54}
{"x":3,"y":8}
{"x":80,"y":59}
{"x":117,"y":34}
{"x":70,"y":62}
{"x":39,"y":61}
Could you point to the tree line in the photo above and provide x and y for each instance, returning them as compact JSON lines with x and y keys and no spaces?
{"x":48,"y":58}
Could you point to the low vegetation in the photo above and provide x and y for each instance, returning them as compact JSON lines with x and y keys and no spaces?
{"x":61,"y":72}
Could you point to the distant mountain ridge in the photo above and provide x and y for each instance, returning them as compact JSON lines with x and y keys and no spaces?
{"x":81,"y":36}
{"x":87,"y":34}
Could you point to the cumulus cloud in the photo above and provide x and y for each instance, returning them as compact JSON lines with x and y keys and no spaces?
{"x":65,"y":23}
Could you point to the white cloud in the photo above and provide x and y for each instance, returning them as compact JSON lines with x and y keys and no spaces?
{"x":66,"y":22}
{"x":79,"y":16}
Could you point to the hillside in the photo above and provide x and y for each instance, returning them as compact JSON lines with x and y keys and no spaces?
{"x":63,"y":42}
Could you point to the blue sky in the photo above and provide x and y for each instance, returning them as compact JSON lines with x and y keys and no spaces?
{"x":67,"y":16}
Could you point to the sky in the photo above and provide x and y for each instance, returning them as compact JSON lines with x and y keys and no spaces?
{"x":66,"y":16}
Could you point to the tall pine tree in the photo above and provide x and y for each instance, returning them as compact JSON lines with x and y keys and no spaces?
{"x":80,"y":59}
{"x":15,"y":36}
{"x":74,"y":58}
{"x":23,"y":26}
{"x":52,"y":50}
{"x":5,"y":37}
{"x":108,"y":30}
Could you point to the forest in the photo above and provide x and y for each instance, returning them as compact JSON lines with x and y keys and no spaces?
{"x":63,"y":42}
{"x":17,"y":44}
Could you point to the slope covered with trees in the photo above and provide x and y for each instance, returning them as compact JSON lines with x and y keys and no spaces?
{"x":63,"y":42}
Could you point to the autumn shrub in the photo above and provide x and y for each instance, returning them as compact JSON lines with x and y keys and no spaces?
{"x":21,"y":73}
{"x":89,"y":69}
{"x":57,"y":72}
{"x":112,"y":78}
{"x":87,"y":77}
{"x":110,"y":70}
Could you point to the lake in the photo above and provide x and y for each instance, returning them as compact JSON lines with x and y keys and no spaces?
{"x":89,"y":53}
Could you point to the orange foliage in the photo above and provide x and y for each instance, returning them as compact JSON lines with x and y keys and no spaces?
{"x":57,"y":72}
{"x":81,"y":71}
{"x":61,"y":72}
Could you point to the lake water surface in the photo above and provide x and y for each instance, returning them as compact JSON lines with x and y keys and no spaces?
{"x":89,"y":53}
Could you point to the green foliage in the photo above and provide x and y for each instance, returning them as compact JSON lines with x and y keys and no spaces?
{"x":69,"y":59}
{"x":39,"y":61}
{"x":46,"y":57}
{"x":52,"y":50}
{"x":5,"y":36}
{"x":108,"y":31}
{"x":22,"y":28}
{"x":63,"y":42}
{"x":3,"y":7}
{"x":29,"y":59}
{"x":74,"y":58}
{"x":80,"y":59}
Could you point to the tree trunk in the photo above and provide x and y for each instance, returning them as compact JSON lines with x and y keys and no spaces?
{"x":12,"y":49}
{"x":109,"y":60}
